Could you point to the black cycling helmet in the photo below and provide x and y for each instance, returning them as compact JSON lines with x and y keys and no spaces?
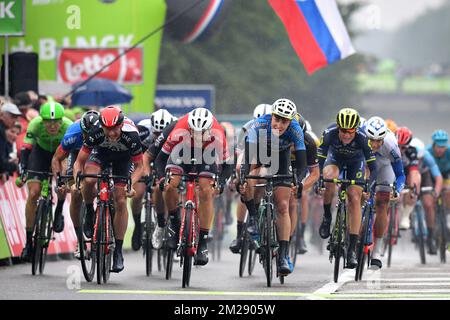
{"x":90,"y":118}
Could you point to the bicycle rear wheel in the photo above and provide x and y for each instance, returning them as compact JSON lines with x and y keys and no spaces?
{"x":169,"y":263}
{"x":87,"y":250}
{"x":244,"y":252}
{"x":251,"y":260}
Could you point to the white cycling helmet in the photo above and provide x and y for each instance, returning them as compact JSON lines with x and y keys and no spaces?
{"x":160,"y":119}
{"x":284,"y":108}
{"x":200,"y":119}
{"x":262,"y":109}
{"x":376,"y":128}
{"x":146,"y":123}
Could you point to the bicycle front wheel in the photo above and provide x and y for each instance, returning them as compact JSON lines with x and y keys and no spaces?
{"x":148,"y":250}
{"x":338,"y":252}
{"x":362,"y":243}
{"x":99,"y":243}
{"x":390,"y":236}
{"x":87,"y":251}
{"x":268,"y":250}
{"x":46,"y":233}
{"x":244,"y":253}
{"x":187,"y":257}
{"x":37,"y":243}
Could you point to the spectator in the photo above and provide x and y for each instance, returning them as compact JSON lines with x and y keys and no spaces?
{"x":11,"y":136}
{"x":8,"y":117}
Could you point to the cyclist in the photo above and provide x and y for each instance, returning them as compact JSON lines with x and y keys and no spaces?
{"x":313,"y":175}
{"x":276,"y":132}
{"x":69,"y":148}
{"x":41,"y":141}
{"x":235,"y":246}
{"x":149,"y":157}
{"x":410,"y":161}
{"x":196,"y":134}
{"x":389,"y":169}
{"x":149,"y":130}
{"x":344,"y":144}
{"x":117,"y":143}
{"x":440,"y":150}
{"x":430,"y":173}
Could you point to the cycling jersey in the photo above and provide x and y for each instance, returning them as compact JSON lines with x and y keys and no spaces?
{"x":182,"y":134}
{"x":410,"y":159}
{"x":442,"y":162}
{"x":389,"y":156}
{"x":342,"y":153}
{"x":38,"y":134}
{"x":292,"y":136}
{"x":145,"y":129}
{"x":73,"y":138}
{"x":428,"y":164}
{"x":242,"y":135}
{"x":129,"y":142}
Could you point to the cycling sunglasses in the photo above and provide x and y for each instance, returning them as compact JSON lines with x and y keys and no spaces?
{"x":347,"y":130}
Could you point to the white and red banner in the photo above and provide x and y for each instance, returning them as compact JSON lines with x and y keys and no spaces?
{"x":74,"y":65}
{"x":12,"y":214}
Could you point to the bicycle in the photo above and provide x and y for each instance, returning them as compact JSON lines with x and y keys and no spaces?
{"x":268,"y":239}
{"x":43,"y":223}
{"x":338,"y":238}
{"x":190,"y":224}
{"x":103,"y":241}
{"x":420,"y":232}
{"x":149,"y":224}
{"x":365,"y":243}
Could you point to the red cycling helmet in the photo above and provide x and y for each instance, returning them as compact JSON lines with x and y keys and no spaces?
{"x":404,"y":136}
{"x":111,"y":117}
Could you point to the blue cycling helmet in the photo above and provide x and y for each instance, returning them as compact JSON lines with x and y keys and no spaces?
{"x":440,"y":138}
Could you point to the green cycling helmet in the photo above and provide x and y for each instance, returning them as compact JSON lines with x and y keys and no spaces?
{"x":52,"y":111}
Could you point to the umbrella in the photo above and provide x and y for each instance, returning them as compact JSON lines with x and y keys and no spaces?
{"x":100,"y":92}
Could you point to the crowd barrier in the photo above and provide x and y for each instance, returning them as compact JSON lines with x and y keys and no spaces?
{"x":12,"y":226}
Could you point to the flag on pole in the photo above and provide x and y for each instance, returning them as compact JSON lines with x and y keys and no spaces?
{"x":316,"y":31}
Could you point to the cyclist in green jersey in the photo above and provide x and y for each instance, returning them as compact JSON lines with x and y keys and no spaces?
{"x":43,"y":136}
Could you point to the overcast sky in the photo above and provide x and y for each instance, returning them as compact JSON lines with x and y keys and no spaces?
{"x":389,"y":14}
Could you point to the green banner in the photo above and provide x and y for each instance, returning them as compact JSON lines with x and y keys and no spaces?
{"x":11,"y":18}
{"x":56,"y":24}
{"x":4,"y":248}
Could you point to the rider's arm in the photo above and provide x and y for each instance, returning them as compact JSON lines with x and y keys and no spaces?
{"x":322,"y":150}
{"x":83,"y":156}
{"x":57,"y":160}
{"x":370,"y":159}
{"x":138,"y":169}
{"x":397,"y":166}
{"x":314,"y":174}
{"x":147,"y":159}
{"x":300,"y":164}
{"x":28,"y":142}
{"x":435,"y":172}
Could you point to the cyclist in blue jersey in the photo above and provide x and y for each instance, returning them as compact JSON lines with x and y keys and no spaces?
{"x":430,"y":189}
{"x":440,"y":150}
{"x":343,"y":144}
{"x":276,"y":133}
{"x":69,"y":148}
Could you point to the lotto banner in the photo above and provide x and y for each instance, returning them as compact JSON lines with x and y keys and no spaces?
{"x":12,"y":215}
{"x":75,"y":65}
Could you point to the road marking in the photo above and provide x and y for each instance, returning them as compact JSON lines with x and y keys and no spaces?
{"x":199,"y":293}
{"x":388,"y":294}
{"x":332,"y":286}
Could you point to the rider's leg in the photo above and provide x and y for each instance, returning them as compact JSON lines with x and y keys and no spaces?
{"x":330,"y":171}
{"x":136,"y":209}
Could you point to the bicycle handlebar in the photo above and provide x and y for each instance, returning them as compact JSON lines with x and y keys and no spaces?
{"x":102,"y":176}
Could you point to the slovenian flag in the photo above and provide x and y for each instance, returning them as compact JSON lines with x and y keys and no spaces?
{"x":316,"y":31}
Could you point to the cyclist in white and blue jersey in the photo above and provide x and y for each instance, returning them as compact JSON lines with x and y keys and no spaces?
{"x":275,"y":133}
